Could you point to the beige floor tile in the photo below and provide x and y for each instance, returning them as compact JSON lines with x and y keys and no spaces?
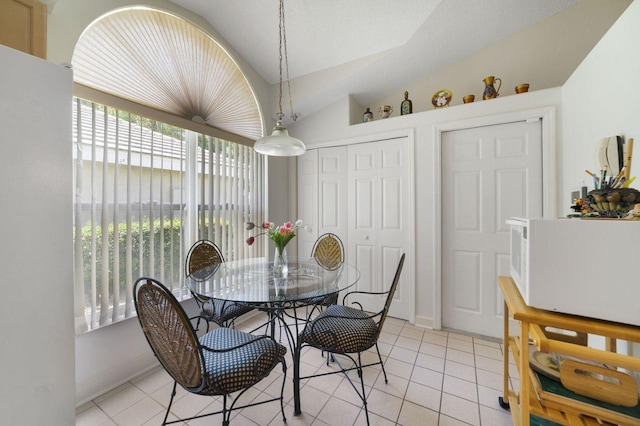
{"x":435,"y":338}
{"x":412,"y":332}
{"x":408,"y":343}
{"x":462,"y":337}
{"x":460,"y":409}
{"x":119,"y":399}
{"x":427,"y":377}
{"x":461,"y":357}
{"x":395,"y":385}
{"x":424,"y":396}
{"x":462,"y":345}
{"x":489,"y":364}
{"x":403,"y":354}
{"x":431,"y":362}
{"x":93,"y":416}
{"x":435,"y":377}
{"x":433,"y":349}
{"x":339,"y":412}
{"x":488,"y":396}
{"x":414,"y":414}
{"x":495,"y":417}
{"x":487,"y":351}
{"x":450,"y":421}
{"x":460,"y":371}
{"x":139,"y":413}
{"x":399,"y":368}
{"x":374,"y":420}
{"x":384,"y":405}
{"x":490,"y":379}
{"x":460,"y":388}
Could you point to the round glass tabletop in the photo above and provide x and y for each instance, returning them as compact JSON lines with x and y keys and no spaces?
{"x":253,"y":280}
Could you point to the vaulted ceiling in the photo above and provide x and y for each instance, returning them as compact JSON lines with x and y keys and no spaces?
{"x":358,"y":39}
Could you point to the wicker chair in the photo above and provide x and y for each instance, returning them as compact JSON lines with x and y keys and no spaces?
{"x":328,"y":251}
{"x":203,"y":260}
{"x":347,"y":331}
{"x":220,"y":362}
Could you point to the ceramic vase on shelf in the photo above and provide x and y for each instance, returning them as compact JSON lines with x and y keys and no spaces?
{"x":280,"y":264}
{"x":490,"y":91}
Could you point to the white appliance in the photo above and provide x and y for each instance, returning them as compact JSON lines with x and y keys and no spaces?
{"x":588,"y":267}
{"x":36,"y":252}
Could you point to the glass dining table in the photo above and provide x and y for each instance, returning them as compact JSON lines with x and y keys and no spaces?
{"x":253,"y":281}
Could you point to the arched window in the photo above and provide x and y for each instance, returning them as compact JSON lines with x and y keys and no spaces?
{"x":156,"y":59}
{"x":164,"y":121}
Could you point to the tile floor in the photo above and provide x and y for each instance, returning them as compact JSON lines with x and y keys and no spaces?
{"x":435,"y":378}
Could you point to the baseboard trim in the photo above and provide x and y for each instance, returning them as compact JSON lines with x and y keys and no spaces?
{"x":424,"y":322}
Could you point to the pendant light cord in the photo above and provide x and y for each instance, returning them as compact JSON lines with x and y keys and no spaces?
{"x":283,"y":52}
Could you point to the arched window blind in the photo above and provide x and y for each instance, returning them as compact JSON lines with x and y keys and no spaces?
{"x":156,"y":59}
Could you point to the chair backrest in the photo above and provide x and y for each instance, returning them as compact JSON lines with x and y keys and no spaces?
{"x":169,"y":332}
{"x":203,"y":260}
{"x":392,"y":290}
{"x":328,"y":251}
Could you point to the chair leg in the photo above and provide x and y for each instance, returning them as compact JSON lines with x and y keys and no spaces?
{"x":226,"y":415}
{"x":364,"y":395}
{"x":173,"y":393}
{"x":381,"y":364}
{"x":296,"y":379}
{"x":284,"y":379}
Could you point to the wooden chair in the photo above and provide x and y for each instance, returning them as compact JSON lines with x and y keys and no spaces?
{"x":348,"y":331}
{"x":221,"y":362}
{"x":203,"y":260}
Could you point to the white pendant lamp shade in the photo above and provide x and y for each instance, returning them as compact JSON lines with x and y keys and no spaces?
{"x":279,"y":144}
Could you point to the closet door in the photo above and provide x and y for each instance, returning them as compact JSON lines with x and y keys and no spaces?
{"x":332,"y":192}
{"x":308,"y":201}
{"x":379,"y":212}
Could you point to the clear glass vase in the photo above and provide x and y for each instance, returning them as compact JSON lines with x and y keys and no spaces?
{"x":280,"y":265}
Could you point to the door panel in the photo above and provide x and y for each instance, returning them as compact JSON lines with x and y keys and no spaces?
{"x":379,"y":219}
{"x":322,"y":195}
{"x":308,"y":201}
{"x":489,"y":174}
{"x":333,"y":193}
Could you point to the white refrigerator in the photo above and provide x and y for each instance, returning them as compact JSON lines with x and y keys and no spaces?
{"x":37,"y":360}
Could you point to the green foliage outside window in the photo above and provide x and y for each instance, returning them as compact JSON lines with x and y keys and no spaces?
{"x":166,"y":239}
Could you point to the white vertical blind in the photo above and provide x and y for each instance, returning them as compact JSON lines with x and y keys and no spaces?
{"x":130,"y":206}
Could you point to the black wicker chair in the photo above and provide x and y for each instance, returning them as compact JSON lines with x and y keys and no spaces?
{"x":203,"y":260}
{"x":347,"y":331}
{"x":221,"y":362}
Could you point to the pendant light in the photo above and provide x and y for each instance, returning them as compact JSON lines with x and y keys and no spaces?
{"x":280,"y":144}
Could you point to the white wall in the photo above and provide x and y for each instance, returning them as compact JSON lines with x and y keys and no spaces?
{"x":36,"y":307}
{"x":601,"y":99}
{"x":331,"y":125}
